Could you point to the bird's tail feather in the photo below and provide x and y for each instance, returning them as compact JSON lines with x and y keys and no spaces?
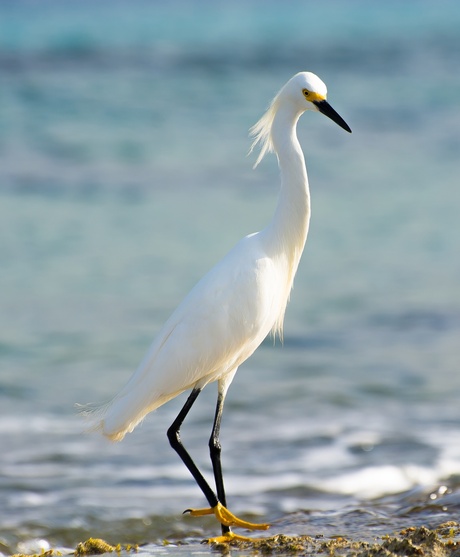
{"x":122,"y":414}
{"x":93,"y":414}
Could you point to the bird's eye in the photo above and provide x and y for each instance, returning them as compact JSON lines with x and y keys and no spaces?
{"x":306,"y":92}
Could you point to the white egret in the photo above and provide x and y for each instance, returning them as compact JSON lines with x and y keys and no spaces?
{"x":234,"y":307}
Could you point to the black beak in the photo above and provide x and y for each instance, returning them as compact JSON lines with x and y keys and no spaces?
{"x":325,"y":108}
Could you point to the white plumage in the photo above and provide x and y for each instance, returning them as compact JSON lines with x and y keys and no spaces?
{"x":217,"y":327}
{"x":234,"y":307}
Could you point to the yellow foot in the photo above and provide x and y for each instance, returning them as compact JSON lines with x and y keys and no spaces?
{"x":225,"y":517}
{"x":229,"y":537}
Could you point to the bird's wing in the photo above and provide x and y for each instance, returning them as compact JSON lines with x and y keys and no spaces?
{"x":216,"y":327}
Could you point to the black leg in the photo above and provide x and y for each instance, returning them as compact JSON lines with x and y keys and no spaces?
{"x":215,"y":449}
{"x":176,"y":444}
{"x":216,"y":502}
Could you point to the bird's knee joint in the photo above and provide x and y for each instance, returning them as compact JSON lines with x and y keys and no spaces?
{"x":173,"y":436}
{"x":214,"y":446}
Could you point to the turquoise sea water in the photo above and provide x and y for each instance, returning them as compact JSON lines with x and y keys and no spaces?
{"x":124,"y":178}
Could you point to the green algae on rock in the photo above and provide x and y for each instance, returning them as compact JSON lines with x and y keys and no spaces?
{"x":93,"y":546}
{"x":96,"y":546}
{"x":49,"y":553}
{"x":443,"y":541}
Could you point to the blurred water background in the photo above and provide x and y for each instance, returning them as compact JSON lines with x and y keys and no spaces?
{"x":124,"y":178}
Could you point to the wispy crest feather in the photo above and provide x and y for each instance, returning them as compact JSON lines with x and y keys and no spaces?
{"x":262,"y":132}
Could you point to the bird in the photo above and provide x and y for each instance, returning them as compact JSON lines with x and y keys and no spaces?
{"x":233,"y":308}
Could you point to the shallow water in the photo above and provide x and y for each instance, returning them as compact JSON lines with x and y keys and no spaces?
{"x":124,"y":177}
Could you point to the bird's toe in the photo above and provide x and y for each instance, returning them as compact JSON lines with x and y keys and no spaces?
{"x":230,"y":537}
{"x":225,"y":517}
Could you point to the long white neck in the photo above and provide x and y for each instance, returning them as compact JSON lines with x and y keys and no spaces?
{"x":287,"y":232}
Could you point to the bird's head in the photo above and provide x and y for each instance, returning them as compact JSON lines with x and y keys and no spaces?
{"x":308,"y":92}
{"x":304,"y":91}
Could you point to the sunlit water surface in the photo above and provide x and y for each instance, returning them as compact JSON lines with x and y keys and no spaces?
{"x":124,"y":177}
